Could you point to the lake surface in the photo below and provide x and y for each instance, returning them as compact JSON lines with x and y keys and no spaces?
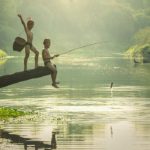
{"x":87,"y":114}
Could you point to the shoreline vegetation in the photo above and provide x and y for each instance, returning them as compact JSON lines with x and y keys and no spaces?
{"x":2,"y":54}
{"x":3,"y":57}
{"x":7,"y":113}
{"x":139,"y":51}
{"x":116,"y":21}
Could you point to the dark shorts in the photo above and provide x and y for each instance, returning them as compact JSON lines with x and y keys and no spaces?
{"x":46,"y":62}
{"x":30,"y":44}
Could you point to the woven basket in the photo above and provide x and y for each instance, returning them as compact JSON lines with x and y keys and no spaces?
{"x":19,"y":44}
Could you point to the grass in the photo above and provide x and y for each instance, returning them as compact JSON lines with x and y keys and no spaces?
{"x":6,"y":113}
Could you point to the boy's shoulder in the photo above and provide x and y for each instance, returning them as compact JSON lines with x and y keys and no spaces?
{"x":45,"y":51}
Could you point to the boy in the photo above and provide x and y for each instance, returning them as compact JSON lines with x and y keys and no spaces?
{"x":29,"y":45}
{"x":46,"y":58}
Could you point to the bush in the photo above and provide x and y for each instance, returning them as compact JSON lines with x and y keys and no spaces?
{"x":2,"y":54}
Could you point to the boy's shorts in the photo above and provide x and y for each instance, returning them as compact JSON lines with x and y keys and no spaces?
{"x":31,"y":47}
{"x":50,"y":65}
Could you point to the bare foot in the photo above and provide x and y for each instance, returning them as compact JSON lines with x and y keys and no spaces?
{"x":57,"y":82}
{"x":55,"y":85}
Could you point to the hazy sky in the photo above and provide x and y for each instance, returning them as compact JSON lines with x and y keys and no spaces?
{"x":71,"y":23}
{"x":77,"y":22}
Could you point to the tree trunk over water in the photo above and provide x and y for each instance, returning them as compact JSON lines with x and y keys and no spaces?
{"x":22,"y":76}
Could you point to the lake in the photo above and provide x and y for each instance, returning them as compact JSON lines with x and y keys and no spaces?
{"x":85,"y":112}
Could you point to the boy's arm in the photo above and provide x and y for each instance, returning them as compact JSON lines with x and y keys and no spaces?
{"x":22,"y":21}
{"x":54,"y":56}
{"x":44,"y":56}
{"x":50,"y":57}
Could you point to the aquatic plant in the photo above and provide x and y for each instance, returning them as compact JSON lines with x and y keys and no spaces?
{"x":6,"y":113}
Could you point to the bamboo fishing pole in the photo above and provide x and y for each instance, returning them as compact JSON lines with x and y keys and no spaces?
{"x":68,"y":51}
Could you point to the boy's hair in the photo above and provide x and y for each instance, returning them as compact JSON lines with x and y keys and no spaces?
{"x":46,"y":40}
{"x":29,"y":22}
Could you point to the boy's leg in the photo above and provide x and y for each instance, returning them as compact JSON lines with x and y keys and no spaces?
{"x":27,"y":53}
{"x":33,"y":49}
{"x":53,"y":74}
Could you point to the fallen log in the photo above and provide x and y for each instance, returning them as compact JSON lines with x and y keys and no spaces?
{"x":24,"y":75}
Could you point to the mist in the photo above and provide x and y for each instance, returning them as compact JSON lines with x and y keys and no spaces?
{"x":72,"y":23}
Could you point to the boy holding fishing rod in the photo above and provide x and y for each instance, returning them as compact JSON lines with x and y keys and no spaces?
{"x":29,"y":46}
{"x":47,"y":61}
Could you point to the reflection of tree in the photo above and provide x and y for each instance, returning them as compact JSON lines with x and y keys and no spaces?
{"x":79,"y":129}
{"x":142,"y":72}
{"x":142,"y":115}
{"x":142,"y":129}
{"x":2,"y":61}
{"x":75,"y":130}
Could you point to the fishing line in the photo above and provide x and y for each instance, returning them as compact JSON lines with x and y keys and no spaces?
{"x":71,"y":50}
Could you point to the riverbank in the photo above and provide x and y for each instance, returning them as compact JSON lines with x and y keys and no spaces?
{"x":139,"y":53}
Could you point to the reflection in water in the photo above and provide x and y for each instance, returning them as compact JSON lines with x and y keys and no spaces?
{"x":3,"y":61}
{"x":85,"y":111}
{"x":15,"y":138}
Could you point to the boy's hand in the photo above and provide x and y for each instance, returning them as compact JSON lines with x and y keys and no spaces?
{"x":56,"y":55}
{"x":19,"y":15}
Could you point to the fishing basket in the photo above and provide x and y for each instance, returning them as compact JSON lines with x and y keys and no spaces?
{"x":19,"y":44}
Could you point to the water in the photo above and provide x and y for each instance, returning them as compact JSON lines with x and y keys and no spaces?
{"x":85,"y":112}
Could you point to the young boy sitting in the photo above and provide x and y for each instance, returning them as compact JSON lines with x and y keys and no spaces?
{"x":47,"y":61}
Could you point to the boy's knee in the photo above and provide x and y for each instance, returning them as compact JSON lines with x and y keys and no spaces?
{"x":54,"y":71}
{"x":55,"y":66}
{"x":27,"y":54}
{"x":37,"y":53}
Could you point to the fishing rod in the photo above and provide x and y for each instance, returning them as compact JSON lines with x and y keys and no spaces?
{"x":69,"y":51}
